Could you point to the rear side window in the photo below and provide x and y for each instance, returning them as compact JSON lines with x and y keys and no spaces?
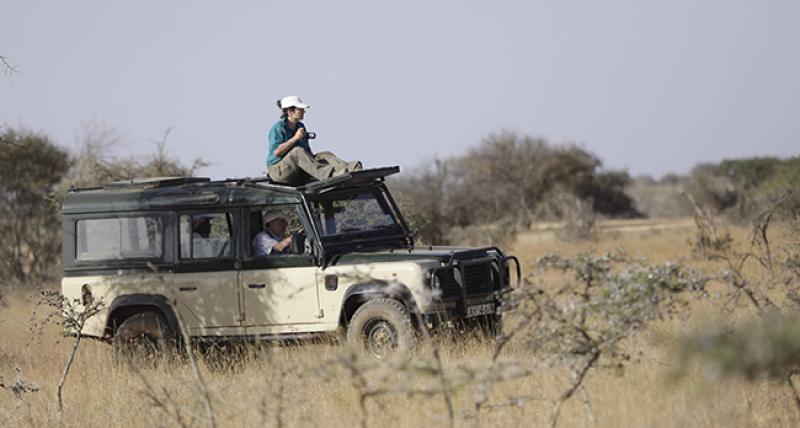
{"x":205,"y":236}
{"x":120,"y":238}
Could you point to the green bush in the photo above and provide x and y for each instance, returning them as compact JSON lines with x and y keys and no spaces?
{"x":31,"y":168}
{"x":738,"y":188}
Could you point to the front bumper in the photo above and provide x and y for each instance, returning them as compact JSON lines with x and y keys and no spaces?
{"x":445,"y":310}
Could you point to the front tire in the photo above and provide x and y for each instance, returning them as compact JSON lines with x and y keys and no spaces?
{"x":144,"y":338}
{"x":382,"y":328}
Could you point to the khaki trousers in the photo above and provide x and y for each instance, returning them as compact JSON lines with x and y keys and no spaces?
{"x":298,"y":164}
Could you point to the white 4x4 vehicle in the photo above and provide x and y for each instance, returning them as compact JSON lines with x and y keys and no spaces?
{"x":159,"y":253}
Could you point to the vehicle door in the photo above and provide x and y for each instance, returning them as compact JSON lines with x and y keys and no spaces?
{"x":279,"y":290}
{"x":205,"y":278}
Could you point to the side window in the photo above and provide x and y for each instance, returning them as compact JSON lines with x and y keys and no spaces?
{"x":119,"y":238}
{"x":270,"y":227}
{"x":205,"y":236}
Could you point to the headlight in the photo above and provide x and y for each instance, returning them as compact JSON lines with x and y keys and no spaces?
{"x":433,"y":280}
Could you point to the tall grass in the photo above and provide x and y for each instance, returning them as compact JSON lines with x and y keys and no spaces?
{"x":323,"y":384}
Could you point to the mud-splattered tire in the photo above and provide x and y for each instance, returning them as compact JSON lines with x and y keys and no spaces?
{"x":382,"y":328}
{"x":144,"y":339}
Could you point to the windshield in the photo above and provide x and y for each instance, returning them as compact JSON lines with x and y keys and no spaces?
{"x":359,"y":215}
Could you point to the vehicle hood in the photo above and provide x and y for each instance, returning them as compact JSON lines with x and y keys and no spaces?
{"x":440,"y":254}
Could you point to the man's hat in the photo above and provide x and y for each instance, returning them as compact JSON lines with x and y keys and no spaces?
{"x":292,"y":101}
{"x":270,"y":217}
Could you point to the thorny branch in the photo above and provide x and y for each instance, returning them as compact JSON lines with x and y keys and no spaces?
{"x":19,"y":386}
{"x":610,"y":299}
{"x":760,"y":237}
{"x":9,"y":69}
{"x":577,"y":381}
{"x":76,"y":313}
{"x":767,"y":346}
{"x":716,"y":246}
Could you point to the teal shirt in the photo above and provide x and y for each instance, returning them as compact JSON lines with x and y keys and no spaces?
{"x":278,"y":135}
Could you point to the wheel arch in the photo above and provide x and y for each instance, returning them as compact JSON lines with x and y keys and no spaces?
{"x":357,"y":294}
{"x":123,"y":307}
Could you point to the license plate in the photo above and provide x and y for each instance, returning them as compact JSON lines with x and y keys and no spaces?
{"x":484,"y":309}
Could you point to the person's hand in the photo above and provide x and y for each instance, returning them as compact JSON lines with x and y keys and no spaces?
{"x":300,"y":133}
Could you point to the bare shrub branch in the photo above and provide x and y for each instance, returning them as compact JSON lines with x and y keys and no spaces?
{"x":75,"y":313}
{"x":609,"y":299}
{"x":8,"y":69}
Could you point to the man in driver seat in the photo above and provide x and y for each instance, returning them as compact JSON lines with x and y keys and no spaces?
{"x":271,"y":240}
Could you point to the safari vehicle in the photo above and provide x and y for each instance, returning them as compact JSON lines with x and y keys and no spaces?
{"x":136,"y":247}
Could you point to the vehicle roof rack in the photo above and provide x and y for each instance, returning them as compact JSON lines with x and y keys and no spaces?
{"x":156,"y":182}
{"x":247,"y":180}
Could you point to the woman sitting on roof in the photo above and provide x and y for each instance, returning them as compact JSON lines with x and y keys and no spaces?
{"x":290,"y":159}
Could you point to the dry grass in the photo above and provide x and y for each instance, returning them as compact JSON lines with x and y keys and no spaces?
{"x":309,"y":385}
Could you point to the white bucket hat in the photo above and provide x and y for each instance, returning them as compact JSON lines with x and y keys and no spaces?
{"x":269,"y":218}
{"x":292,"y":101}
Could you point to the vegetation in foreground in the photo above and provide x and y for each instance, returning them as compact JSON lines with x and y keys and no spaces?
{"x":636,"y":376}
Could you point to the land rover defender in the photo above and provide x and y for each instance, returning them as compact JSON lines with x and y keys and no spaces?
{"x":353,"y":266}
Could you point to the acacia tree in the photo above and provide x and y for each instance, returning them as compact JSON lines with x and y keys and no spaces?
{"x":508,"y":179}
{"x":31,"y":168}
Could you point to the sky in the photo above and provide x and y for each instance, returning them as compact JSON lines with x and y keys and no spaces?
{"x":650,"y":87}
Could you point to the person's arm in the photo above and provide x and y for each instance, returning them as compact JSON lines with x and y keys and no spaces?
{"x":281,"y":245}
{"x":287,"y":145}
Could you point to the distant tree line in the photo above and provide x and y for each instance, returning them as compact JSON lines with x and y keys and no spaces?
{"x":736,"y":189}
{"x":505,"y":183}
{"x":485,"y":196}
{"x":740,"y":188}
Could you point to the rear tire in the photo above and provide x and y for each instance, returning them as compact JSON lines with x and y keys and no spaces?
{"x":144,"y":339}
{"x":382,"y":328}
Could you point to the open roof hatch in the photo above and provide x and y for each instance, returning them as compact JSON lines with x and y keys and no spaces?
{"x":352,"y":179}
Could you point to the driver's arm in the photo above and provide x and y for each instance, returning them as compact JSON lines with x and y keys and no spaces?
{"x":282,"y":244}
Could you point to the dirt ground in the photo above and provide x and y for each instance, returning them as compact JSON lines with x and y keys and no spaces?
{"x":319,"y":384}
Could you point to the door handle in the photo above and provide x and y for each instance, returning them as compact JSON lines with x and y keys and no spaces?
{"x":187,"y":288}
{"x":256,"y":285}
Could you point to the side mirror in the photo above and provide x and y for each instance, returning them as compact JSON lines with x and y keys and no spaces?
{"x":298,"y":243}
